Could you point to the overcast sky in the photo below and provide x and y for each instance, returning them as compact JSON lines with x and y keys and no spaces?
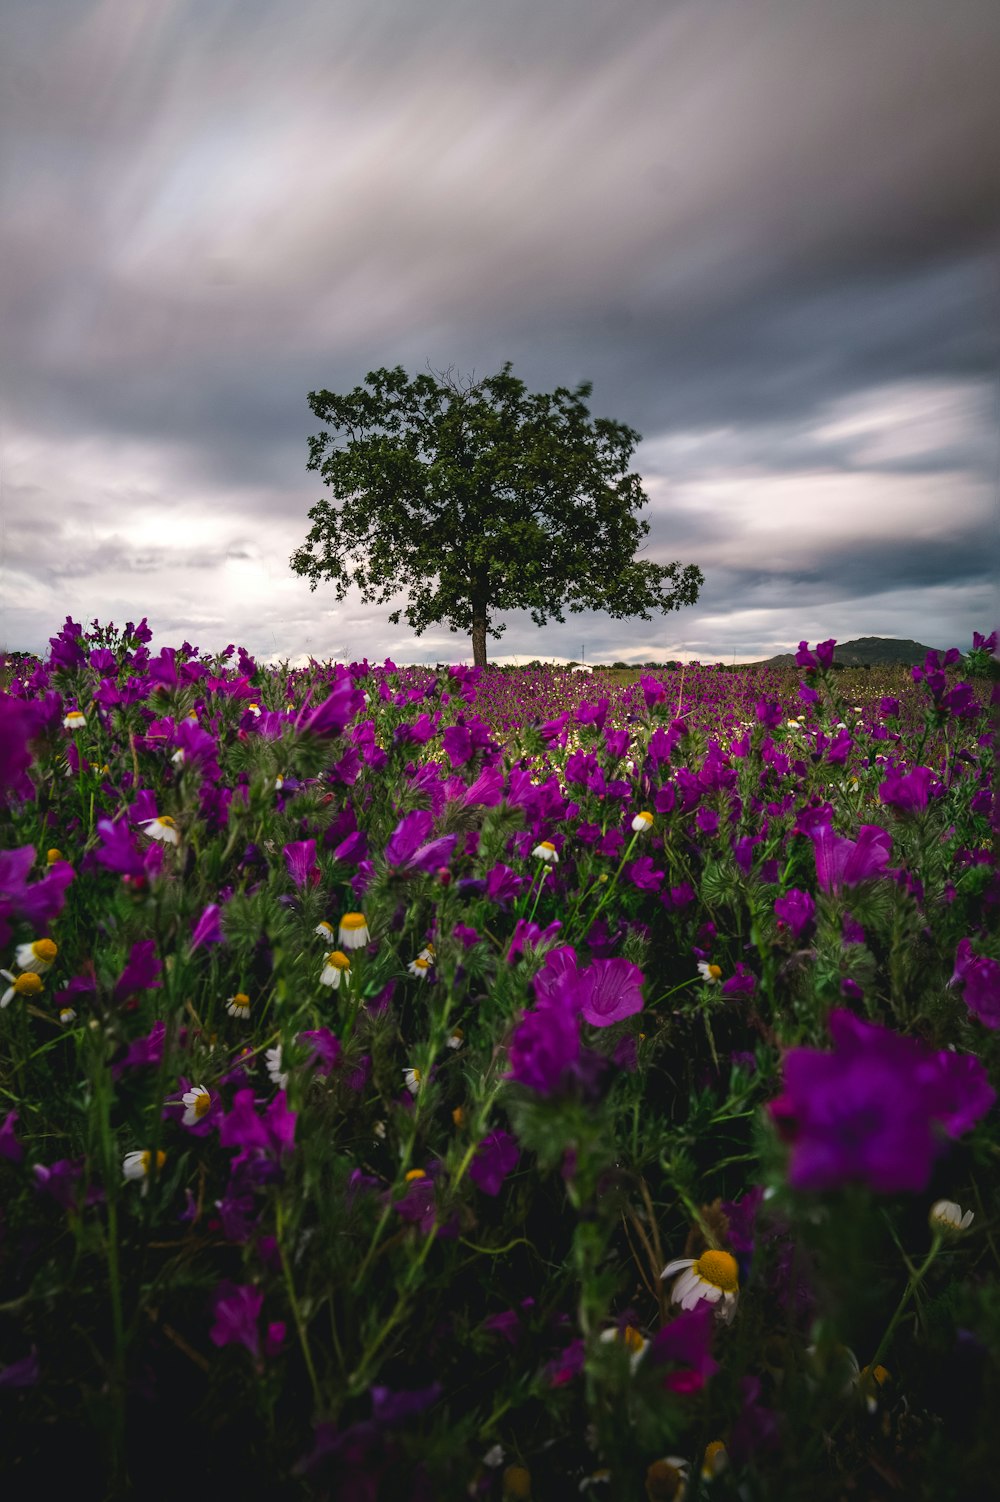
{"x":768,"y":233}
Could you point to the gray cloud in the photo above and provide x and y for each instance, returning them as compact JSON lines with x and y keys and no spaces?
{"x":766,"y":232}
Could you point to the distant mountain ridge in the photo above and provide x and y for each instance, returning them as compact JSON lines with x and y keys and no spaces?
{"x":866,"y":650}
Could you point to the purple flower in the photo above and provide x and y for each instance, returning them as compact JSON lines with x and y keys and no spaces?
{"x":208,"y":929}
{"x":567,"y":1365}
{"x":544,"y":1049}
{"x":796,"y":910}
{"x":300,"y":858}
{"x":496,"y":1156}
{"x":608,"y":991}
{"x":325,"y":1048}
{"x":742,"y":982}
{"x":143,"y":1053}
{"x":844,"y":863}
{"x":141,"y":971}
{"x":236,"y":1307}
{"x":979,"y":975}
{"x":686,"y":1343}
{"x":118,"y":850}
{"x":391,"y":1408}
{"x":409,"y":847}
{"x":503,"y":884}
{"x":908,"y":793}
{"x":23,"y":1373}
{"x":336,"y":711}
{"x":707,"y":821}
{"x":36,"y":904}
{"x":10,"y":1148}
{"x":17,"y":725}
{"x":873,"y":1109}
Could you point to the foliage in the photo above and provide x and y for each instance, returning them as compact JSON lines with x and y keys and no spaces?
{"x":479,"y":499}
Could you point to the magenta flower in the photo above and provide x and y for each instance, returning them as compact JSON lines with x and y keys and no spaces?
{"x":143,"y":1053}
{"x":300,"y":858}
{"x":979,"y":976}
{"x":686,"y":1344}
{"x":10,"y":1148}
{"x":17,"y":725}
{"x":236,"y":1307}
{"x":141,"y":972}
{"x":910,"y":792}
{"x":796,"y":910}
{"x":208,"y":929}
{"x":544,"y":1049}
{"x":337,"y":710}
{"x":409,"y":847}
{"x":496,"y":1156}
{"x":845,"y":863}
{"x":325,"y":1049}
{"x":36,"y":904}
{"x":875,"y":1109}
{"x":608,"y":991}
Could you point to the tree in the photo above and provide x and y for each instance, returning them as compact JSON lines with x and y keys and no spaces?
{"x":477,"y":499}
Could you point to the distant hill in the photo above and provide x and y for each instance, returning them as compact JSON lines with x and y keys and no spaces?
{"x":865,"y":650}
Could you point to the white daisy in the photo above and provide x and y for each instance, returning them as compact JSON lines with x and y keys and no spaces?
{"x":74,"y":720}
{"x":336,"y":968}
{"x":66,"y":1016}
{"x":947,"y":1219}
{"x":419,"y":967}
{"x":277,"y":1075}
{"x":714,"y":1276}
{"x":29,"y":983}
{"x":161,"y":828}
{"x":630,"y":1338}
{"x":710,"y":973}
{"x":238,"y":1006}
{"x":137,"y":1165}
{"x":412,"y":1079}
{"x":38,"y":956}
{"x":642,"y":822}
{"x":353,"y":932}
{"x":324,"y":930}
{"x":455,"y":1038}
{"x":197,"y":1103}
{"x":546,"y":852}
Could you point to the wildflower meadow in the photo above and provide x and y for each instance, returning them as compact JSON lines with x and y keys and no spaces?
{"x":497,"y":1084}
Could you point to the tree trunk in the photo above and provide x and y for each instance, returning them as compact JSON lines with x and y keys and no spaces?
{"x":479,"y":635}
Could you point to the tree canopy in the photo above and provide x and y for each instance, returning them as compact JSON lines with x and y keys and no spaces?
{"x":480,"y":498}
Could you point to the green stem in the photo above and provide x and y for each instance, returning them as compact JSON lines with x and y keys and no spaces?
{"x":915,"y":1279}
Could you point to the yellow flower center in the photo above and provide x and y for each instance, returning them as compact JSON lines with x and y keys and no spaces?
{"x":645,"y":815}
{"x":166,"y":822}
{"x":871,"y":1378}
{"x":546,"y":845}
{"x":44,"y":949}
{"x":353,"y":922}
{"x":28,"y":984}
{"x":241,"y":1001}
{"x":715,"y":972}
{"x":53,"y":855}
{"x":338,"y":959}
{"x":202,"y":1105}
{"x":458,"y":1116}
{"x":663,"y":1481}
{"x":421,"y":964}
{"x":714,"y":1458}
{"x":720,"y":1269}
{"x":414,"y":1173}
{"x":147,"y":1159}
{"x":631,"y":1338}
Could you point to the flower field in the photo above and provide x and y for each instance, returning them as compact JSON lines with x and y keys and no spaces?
{"x":445,"y":1084}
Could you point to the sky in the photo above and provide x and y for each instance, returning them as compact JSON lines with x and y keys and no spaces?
{"x":768,"y":234}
